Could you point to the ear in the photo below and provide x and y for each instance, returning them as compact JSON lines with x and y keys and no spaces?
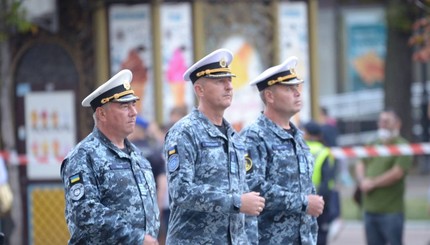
{"x":198,"y":89}
{"x":101,"y":113}
{"x":268,"y":94}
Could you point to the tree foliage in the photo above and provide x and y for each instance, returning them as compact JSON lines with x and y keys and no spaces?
{"x":420,"y":38}
{"x":12,"y":20}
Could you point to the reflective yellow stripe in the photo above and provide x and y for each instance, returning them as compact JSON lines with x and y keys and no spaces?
{"x":320,"y":153}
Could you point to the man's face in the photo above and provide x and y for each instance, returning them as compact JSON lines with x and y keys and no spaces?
{"x":285,"y":99}
{"x":387,"y":120}
{"x":388,"y":126}
{"x":120,"y":118}
{"x":216,"y":92}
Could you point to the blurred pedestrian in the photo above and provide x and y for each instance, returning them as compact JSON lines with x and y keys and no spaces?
{"x":151,"y":150}
{"x":147,"y":135}
{"x":382,"y":183}
{"x":109,"y":187}
{"x":329,"y":134}
{"x":176,"y":113}
{"x":280,"y":165}
{"x":323,"y":176}
{"x":206,"y":163}
{"x":428,"y":200}
{"x":329,"y":130}
{"x":7,"y":224}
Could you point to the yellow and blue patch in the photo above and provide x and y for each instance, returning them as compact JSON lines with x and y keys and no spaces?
{"x":172,"y":151}
{"x":74,"y":179}
{"x":173,"y":159}
{"x":76,"y":187}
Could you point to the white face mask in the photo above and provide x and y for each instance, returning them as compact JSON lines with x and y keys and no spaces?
{"x":385,"y":134}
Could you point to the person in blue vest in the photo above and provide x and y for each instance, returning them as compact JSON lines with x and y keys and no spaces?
{"x":323,"y":176}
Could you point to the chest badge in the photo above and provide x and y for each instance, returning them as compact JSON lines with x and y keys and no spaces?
{"x":248,"y":163}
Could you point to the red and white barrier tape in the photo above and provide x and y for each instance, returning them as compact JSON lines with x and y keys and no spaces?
{"x":381,"y":150}
{"x":13,"y":158}
{"x":337,"y":152}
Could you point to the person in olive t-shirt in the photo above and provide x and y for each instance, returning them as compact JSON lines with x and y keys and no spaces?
{"x":382,"y":182}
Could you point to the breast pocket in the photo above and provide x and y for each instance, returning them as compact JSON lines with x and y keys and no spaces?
{"x":147,"y":182}
{"x":213,"y":165}
{"x":238,"y":160}
{"x":310,"y":160}
{"x":284,"y":168}
{"x":118,"y":181}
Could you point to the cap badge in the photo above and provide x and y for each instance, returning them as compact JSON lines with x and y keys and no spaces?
{"x":223,"y":63}
{"x":126,"y":85}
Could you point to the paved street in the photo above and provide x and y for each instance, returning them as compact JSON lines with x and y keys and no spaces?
{"x":416,"y":233}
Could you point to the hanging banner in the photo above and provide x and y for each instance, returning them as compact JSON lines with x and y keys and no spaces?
{"x":50,"y":132}
{"x":177,"y":56}
{"x":294,"y":41}
{"x":365,"y":39}
{"x":246,"y":65}
{"x":131,"y":48}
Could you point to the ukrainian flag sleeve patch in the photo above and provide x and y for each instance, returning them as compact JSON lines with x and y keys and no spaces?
{"x":77,"y":189}
{"x":173,"y":159}
{"x":74,"y":179}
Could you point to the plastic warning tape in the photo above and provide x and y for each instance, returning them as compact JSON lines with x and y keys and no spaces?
{"x":381,"y":150}
{"x":13,"y":158}
{"x":337,"y":152}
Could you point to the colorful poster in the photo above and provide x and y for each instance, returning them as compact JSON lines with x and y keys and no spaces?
{"x":294,"y":41}
{"x":177,"y":56}
{"x":50,"y":130}
{"x":131,"y":48}
{"x":246,"y":105}
{"x":365,"y":48}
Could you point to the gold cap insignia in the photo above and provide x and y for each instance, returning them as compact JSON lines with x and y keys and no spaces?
{"x":223,"y":63}
{"x":126,"y":85}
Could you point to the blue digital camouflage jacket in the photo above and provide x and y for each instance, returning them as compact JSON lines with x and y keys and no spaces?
{"x":280,"y":167}
{"x":206,"y":175}
{"x":110,"y":195}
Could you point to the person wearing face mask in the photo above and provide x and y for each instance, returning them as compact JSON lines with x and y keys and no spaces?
{"x":382,"y":183}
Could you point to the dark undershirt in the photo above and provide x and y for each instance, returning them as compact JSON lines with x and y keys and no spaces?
{"x":222,"y":129}
{"x":126,"y":150}
{"x":291,"y":131}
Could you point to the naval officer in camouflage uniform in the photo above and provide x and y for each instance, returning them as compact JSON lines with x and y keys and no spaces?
{"x":206,"y":164}
{"x":279,"y":164}
{"x":109,"y":187}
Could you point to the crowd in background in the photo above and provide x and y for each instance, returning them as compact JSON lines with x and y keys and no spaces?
{"x":149,"y":137}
